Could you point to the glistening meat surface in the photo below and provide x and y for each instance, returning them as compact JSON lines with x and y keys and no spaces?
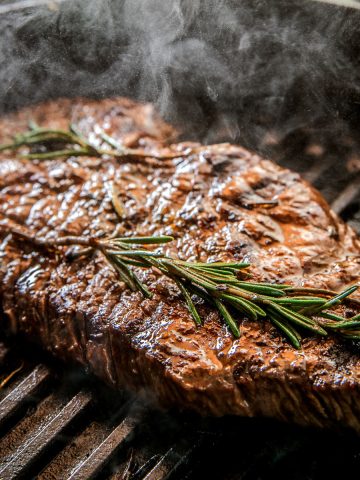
{"x":221,"y":203}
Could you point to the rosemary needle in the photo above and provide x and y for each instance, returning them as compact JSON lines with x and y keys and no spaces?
{"x":68,"y":143}
{"x":293,"y":311}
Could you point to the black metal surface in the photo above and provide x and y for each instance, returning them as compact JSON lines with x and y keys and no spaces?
{"x":101,"y":454}
{"x":18,"y":462}
{"x":97,"y":435}
{"x":78,"y":429}
{"x":16,"y":398}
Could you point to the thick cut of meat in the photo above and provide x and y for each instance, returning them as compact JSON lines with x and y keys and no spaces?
{"x":214,"y":204}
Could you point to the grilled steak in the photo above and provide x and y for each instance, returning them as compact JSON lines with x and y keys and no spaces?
{"x":216,"y":204}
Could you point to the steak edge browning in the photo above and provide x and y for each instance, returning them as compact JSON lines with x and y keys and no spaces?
{"x":79,"y":310}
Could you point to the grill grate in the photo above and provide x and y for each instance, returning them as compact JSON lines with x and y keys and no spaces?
{"x":66,"y":426}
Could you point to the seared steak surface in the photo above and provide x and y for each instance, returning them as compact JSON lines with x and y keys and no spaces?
{"x":214,"y":203}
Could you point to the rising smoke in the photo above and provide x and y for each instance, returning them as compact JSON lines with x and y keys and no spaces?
{"x":220,"y":69}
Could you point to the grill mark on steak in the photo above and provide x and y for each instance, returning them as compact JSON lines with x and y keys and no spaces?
{"x":80,"y":311}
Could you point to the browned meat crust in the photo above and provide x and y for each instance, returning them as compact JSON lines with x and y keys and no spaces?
{"x":80,"y":311}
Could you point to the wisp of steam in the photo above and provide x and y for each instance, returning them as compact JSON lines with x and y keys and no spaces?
{"x":218,"y":69}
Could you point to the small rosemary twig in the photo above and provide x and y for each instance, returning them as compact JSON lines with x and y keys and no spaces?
{"x":6,"y":379}
{"x":294,"y":311}
{"x":72,"y":143}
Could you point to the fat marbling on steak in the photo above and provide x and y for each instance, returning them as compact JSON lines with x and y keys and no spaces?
{"x":214,"y":204}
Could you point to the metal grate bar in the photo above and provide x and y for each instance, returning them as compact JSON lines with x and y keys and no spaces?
{"x":81,"y":446}
{"x":91,"y":465}
{"x":177,"y":456}
{"x":35,"y":446}
{"x":21,"y":392}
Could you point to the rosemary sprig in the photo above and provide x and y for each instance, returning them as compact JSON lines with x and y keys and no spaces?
{"x":47,"y":143}
{"x":294,"y":311}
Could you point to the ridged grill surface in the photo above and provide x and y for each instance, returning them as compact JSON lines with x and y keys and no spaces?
{"x":55,"y":425}
{"x":58,"y":423}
